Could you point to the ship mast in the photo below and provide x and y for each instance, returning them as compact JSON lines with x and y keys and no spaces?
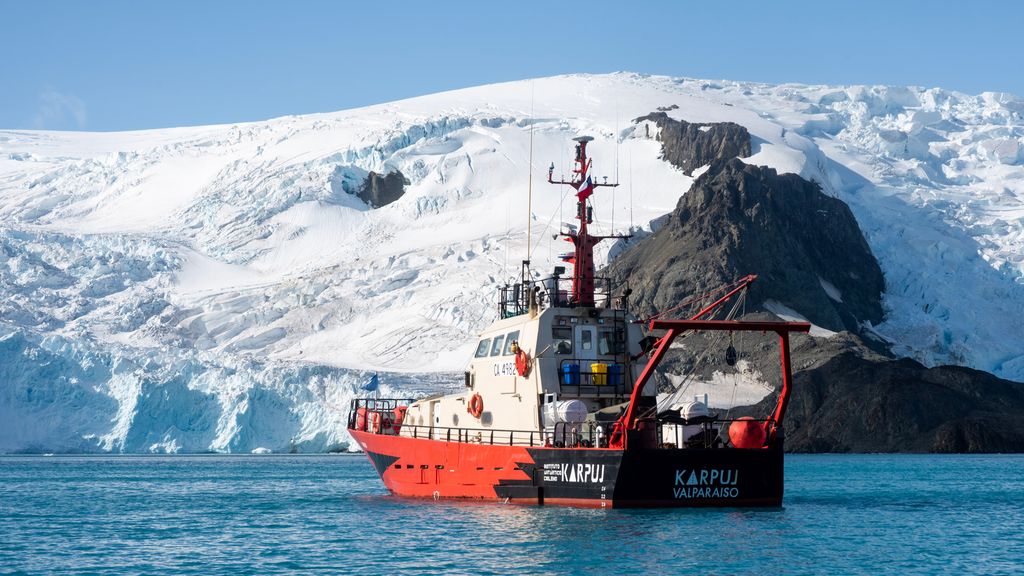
{"x":583,"y":257}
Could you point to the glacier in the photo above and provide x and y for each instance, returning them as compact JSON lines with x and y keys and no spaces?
{"x":219,"y":288}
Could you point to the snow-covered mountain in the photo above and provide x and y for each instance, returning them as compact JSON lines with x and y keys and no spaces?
{"x":220,"y":288}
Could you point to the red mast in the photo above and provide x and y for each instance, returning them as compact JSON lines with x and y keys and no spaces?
{"x":583,"y":259}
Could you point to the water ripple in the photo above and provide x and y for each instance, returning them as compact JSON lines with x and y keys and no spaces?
{"x":330,"y":515}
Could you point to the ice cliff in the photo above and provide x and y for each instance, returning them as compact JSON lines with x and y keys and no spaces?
{"x":225,"y":288}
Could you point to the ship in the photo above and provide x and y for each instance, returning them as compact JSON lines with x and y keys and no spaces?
{"x":559,"y":405}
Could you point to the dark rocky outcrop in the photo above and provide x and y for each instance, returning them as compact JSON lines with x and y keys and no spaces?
{"x":690,"y":146}
{"x":857,"y":401}
{"x":740,"y":219}
{"x":848,"y":397}
{"x":810,"y":256}
{"x":380,"y":190}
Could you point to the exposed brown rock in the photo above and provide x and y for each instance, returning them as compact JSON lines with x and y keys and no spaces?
{"x":739,"y":219}
{"x":690,"y":146}
{"x":380,"y":190}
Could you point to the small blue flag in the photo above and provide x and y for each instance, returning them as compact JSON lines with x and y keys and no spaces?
{"x":373,"y":384}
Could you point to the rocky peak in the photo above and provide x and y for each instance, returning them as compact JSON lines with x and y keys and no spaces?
{"x":690,"y":146}
{"x":737,"y":219}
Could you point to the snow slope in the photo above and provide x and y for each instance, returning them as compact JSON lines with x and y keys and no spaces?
{"x":218,"y":288}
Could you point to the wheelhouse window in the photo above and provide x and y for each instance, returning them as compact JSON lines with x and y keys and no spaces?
{"x":610,"y":342}
{"x":483,"y":347}
{"x":496,"y":347}
{"x":561,"y":337}
{"x":509,"y":339}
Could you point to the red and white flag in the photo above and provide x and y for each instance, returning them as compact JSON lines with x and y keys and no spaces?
{"x":586,"y":188}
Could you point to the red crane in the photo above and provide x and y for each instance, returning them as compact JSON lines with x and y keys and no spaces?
{"x":628,"y":423}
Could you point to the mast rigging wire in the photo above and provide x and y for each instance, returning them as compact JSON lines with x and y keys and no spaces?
{"x":630,"y":190}
{"x":616,"y":162}
{"x":529,"y":186}
{"x":689,"y":376}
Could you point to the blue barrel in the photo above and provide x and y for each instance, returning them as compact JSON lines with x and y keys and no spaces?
{"x":615,"y":374}
{"x":571,"y":374}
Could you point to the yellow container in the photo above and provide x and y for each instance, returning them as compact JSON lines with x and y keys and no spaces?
{"x":599,"y":372}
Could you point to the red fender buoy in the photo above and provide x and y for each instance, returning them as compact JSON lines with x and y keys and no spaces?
{"x":746,"y":432}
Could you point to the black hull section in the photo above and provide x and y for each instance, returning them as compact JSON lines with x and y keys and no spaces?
{"x":650,"y":478}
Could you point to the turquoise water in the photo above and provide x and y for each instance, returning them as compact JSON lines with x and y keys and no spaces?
{"x":863,"y":514}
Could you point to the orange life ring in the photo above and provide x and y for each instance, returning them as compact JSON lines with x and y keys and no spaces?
{"x":475,"y":406}
{"x":522,"y":362}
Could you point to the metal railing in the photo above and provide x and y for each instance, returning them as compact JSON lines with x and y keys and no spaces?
{"x":378,"y":416}
{"x":375,"y":414}
{"x":589,"y":434}
{"x":703,"y":432}
{"x":552,"y":292}
{"x":556,"y":292}
{"x":696,"y":433}
{"x":475,"y":435}
{"x":563,"y":435}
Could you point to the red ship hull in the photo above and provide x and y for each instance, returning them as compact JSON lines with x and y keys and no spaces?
{"x":584,"y":477}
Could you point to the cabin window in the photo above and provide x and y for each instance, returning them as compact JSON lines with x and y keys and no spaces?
{"x":483,"y":347}
{"x":610,"y":342}
{"x":587,"y":340}
{"x":496,"y":347}
{"x":562,"y":339}
{"x":512,"y":337}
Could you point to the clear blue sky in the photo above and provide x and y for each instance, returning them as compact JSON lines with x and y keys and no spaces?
{"x":116,"y":65}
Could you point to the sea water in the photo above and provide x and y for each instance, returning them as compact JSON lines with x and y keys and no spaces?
{"x":843,"y":514}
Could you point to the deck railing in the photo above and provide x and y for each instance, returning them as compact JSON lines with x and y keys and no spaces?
{"x":552,"y":292}
{"x":589,"y":434}
{"x":368,"y":414}
{"x":701,"y":432}
{"x":475,"y":435}
{"x":377,"y":415}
